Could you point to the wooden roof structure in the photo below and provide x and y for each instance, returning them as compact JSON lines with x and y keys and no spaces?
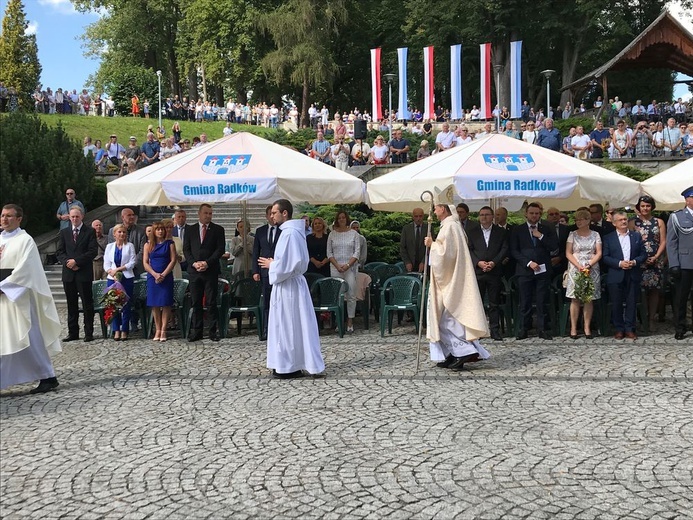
{"x":665,"y":44}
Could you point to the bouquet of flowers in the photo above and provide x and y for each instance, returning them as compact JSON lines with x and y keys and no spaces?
{"x":584,"y":285}
{"x":114,"y":299}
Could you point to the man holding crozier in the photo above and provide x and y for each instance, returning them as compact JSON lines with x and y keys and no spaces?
{"x":456,"y":318}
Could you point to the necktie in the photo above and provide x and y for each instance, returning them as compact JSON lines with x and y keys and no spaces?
{"x":418,"y":236}
{"x":271,"y":240}
{"x":534,"y":239}
{"x":75,"y":233}
{"x":204,"y":231}
{"x":180,"y":233}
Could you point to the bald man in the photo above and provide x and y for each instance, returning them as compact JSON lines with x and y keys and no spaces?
{"x":411,"y":244}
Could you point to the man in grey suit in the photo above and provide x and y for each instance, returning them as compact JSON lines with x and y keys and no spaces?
{"x":411,"y":244}
{"x":680,"y":253}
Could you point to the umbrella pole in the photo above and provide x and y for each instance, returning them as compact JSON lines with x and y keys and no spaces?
{"x":425,"y":279}
{"x":246,"y":233}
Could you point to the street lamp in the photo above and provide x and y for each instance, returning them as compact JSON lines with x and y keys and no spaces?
{"x":158,"y":77}
{"x":390,"y":78}
{"x":498,"y":68}
{"x":547,"y":74}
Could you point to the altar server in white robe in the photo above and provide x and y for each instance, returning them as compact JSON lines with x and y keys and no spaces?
{"x":293,"y":343}
{"x":29,"y":323}
{"x":456,"y":318}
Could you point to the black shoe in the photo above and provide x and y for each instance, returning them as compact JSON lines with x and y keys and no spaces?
{"x":573,"y":336}
{"x":495,"y":336}
{"x":679,"y":335}
{"x":70,"y":338}
{"x":589,"y":336}
{"x":460,"y":361}
{"x":448,"y":361}
{"x":545,"y":335}
{"x":88,"y":338}
{"x":195,"y":337}
{"x":263,"y":337}
{"x":214,"y":337}
{"x":45,"y":385}
{"x":522,"y":335}
{"x":290,"y":375}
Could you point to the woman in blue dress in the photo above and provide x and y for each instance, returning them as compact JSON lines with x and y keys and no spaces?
{"x":159,"y":260}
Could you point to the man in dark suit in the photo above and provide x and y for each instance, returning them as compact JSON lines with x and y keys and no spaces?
{"x":463,"y":213}
{"x":531,"y":245}
{"x":411,"y":244}
{"x":266,"y":237}
{"x":76,"y":252}
{"x":488,"y":245}
{"x":501,"y":220}
{"x":601,"y":226}
{"x":558,"y":258}
{"x":203,"y":247}
{"x":180,"y":218}
{"x":624,"y":254}
{"x":680,"y":253}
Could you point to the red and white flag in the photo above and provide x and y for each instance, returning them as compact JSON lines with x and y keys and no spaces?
{"x":485,"y":81}
{"x":429,"y":99}
{"x":377,"y":110}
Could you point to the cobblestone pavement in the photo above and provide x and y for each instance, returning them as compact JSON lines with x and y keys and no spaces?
{"x":544,"y":429}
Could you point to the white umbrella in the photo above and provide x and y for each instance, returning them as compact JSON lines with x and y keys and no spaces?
{"x":666,"y":187}
{"x":240,"y":167}
{"x":507,"y":170}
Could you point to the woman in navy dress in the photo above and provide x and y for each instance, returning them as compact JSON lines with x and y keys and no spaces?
{"x":159,"y":260}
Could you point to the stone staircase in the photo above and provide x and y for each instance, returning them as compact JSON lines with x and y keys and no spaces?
{"x":225,"y":215}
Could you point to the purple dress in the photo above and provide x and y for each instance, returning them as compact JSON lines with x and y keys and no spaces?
{"x":160,"y":294}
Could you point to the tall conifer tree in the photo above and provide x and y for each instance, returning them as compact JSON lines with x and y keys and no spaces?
{"x":19,"y":64}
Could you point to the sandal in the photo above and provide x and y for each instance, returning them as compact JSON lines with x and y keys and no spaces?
{"x":162,"y":337}
{"x":157,"y":336}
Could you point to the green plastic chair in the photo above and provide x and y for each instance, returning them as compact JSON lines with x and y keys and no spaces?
{"x":139,"y":305}
{"x":246,"y":296}
{"x":399,"y":293}
{"x":370,"y":266}
{"x":311,"y":278}
{"x":328,"y":296}
{"x":98,"y":288}
{"x":223,"y":304}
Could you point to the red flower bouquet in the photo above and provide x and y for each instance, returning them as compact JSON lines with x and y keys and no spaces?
{"x":113,"y":300}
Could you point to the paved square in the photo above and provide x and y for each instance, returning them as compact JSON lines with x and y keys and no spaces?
{"x":561,"y":429}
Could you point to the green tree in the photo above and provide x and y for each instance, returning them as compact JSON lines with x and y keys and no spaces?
{"x":19,"y":64}
{"x":303,"y":32}
{"x":36,"y":181}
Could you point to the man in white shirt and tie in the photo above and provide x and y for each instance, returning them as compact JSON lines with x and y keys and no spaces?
{"x":266,"y":237}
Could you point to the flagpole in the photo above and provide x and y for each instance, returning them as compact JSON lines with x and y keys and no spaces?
{"x":425,"y":278}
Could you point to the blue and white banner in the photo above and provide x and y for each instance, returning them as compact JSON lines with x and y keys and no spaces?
{"x":516,"y":80}
{"x":219,"y":188}
{"x":456,"y":82}
{"x":403,"y":110}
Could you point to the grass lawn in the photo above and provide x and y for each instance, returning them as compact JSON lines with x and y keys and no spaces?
{"x":78,"y":127}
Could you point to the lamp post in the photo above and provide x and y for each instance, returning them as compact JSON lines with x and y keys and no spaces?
{"x":498,"y":68}
{"x":158,"y":77}
{"x":547,"y":74}
{"x":389,"y":78}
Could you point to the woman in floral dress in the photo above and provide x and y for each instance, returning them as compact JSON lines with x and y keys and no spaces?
{"x":583,"y":251}
{"x":654,"y":238}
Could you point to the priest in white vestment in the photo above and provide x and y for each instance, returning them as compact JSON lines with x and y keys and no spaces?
{"x":29,"y":323}
{"x":293,"y":343}
{"x":456,"y":318}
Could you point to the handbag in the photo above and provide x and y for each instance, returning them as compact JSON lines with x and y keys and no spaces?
{"x":565,"y":279}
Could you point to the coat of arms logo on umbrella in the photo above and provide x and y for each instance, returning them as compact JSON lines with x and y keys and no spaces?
{"x":510,"y":162}
{"x":225,"y":164}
